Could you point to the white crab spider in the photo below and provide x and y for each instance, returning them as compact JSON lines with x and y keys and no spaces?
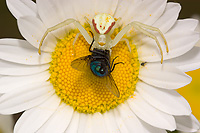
{"x":102,"y":26}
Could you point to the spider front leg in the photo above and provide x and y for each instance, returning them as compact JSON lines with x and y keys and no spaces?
{"x":140,"y":27}
{"x":127,"y":43}
{"x":62,"y":24}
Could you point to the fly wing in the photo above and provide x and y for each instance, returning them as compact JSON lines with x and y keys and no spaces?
{"x":111,"y":86}
{"x":81,"y":64}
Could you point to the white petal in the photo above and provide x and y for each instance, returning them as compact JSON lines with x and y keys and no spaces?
{"x":14,"y":42}
{"x":169,"y":17}
{"x":95,"y":124}
{"x":180,"y":39}
{"x":25,"y":97}
{"x":187,"y":123}
{"x":53,"y":12}
{"x":8,"y":68}
{"x":150,"y":114}
{"x":32,"y":29}
{"x":120,"y":123}
{"x":33,"y":119}
{"x":123,"y":7}
{"x":133,"y":123}
{"x":110,"y":122}
{"x":146,"y":11}
{"x":187,"y":62}
{"x":59,"y":121}
{"x":168,"y":101}
{"x":87,"y":9}
{"x":23,"y":55}
{"x":130,"y":120}
{"x":90,"y":8}
{"x":185,"y":24}
{"x":105,"y":6}
{"x":150,"y":129}
{"x":82,"y":122}
{"x":163,"y":76}
{"x":21,"y":8}
{"x":149,"y":11}
{"x":73,"y":126}
{"x":11,"y":83}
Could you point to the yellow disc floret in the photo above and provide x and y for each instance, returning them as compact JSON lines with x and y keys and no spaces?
{"x":86,"y":94}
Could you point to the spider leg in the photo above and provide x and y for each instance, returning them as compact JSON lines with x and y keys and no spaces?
{"x":127,"y":43}
{"x":139,"y":26}
{"x":119,"y":36}
{"x":87,"y":19}
{"x":90,"y":23}
{"x":154,"y":29}
{"x":75,"y":39}
{"x":62,"y":24}
{"x":153,"y":37}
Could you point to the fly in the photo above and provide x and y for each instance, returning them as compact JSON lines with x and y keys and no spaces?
{"x":100,"y":66}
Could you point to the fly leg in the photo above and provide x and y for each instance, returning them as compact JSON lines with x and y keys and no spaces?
{"x":112,"y":67}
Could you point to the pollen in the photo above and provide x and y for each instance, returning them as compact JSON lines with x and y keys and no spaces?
{"x":84,"y":92}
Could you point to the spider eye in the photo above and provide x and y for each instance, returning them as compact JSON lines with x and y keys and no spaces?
{"x":103,"y":23}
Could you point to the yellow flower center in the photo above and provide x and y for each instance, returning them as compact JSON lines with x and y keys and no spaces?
{"x":86,"y":94}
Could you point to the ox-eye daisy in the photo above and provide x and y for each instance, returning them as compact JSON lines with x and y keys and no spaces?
{"x":57,"y":98}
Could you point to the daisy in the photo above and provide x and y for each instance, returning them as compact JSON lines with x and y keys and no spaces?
{"x":57,"y":98}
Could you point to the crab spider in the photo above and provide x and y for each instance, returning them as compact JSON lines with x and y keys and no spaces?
{"x":102,"y":25}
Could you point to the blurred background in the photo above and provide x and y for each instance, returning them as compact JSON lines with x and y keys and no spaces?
{"x":8,"y":26}
{"x":191,"y":92}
